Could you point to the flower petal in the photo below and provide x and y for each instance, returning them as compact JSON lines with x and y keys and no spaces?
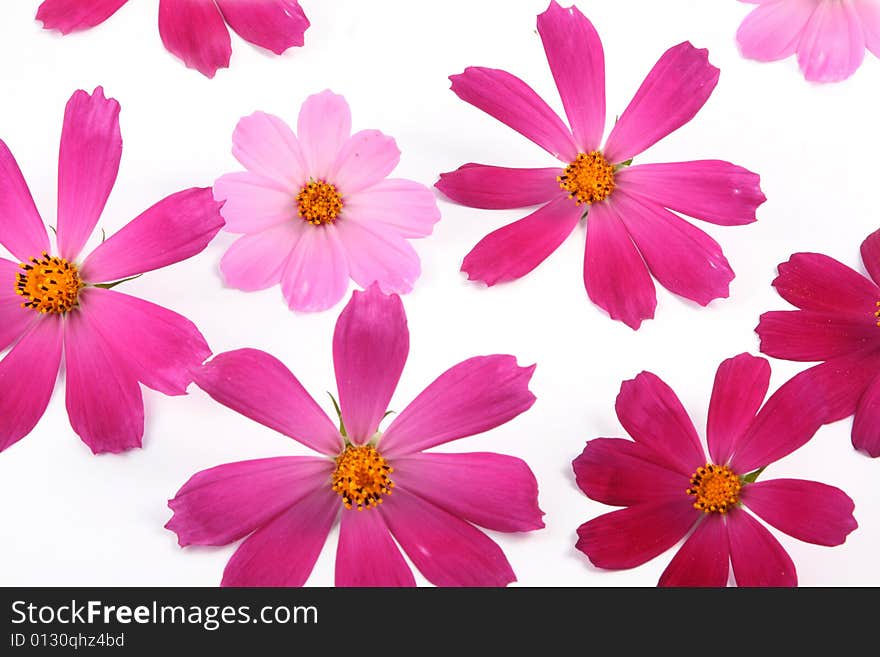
{"x":446,"y":550}
{"x":367,"y":555}
{"x":474,"y":396}
{"x":14,"y":320}
{"x":809,"y":335}
{"x":21,"y":229}
{"x":275,"y":25}
{"x":194,"y":31}
{"x":256,"y":261}
{"x":408,"y":207}
{"x":514,"y":103}
{"x":91,"y":147}
{"x":813,"y":281}
{"x":499,"y":188}
{"x":832,"y":45}
{"x":323,"y":127}
{"x":869,"y":12}
{"x":315,"y":277}
{"x":675,"y":90}
{"x":516,"y":249}
{"x":866,"y":425}
{"x":494,"y":491}
{"x":258,"y":386}
{"x":773,"y":30}
{"x":870,"y":249}
{"x":68,"y":16}
{"x":252,"y":203}
{"x":703,"y":560}
{"x":365,"y":159}
{"x":758,"y":559}
{"x":266,"y":146}
{"x":370,"y":346}
{"x":221,"y":505}
{"x":574,"y":52}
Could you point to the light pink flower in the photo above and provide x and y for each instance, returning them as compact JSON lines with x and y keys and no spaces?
{"x":828,"y":36}
{"x":670,"y":490}
{"x":195,"y":30}
{"x":317,"y":208}
{"x":631,"y":230}
{"x":378,"y":484}
{"x":111,"y":341}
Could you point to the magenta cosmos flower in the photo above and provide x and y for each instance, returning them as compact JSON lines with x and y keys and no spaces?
{"x":671,"y":490}
{"x":382,"y":486}
{"x":630,"y":231}
{"x":828,"y":36}
{"x":55,"y":300}
{"x":317,"y":208}
{"x":838,"y":322}
{"x":195,"y":30}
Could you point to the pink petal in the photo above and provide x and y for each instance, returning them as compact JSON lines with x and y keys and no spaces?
{"x":324,"y":126}
{"x":68,"y":16}
{"x":869,"y":12}
{"x":266,"y":146}
{"x":866,"y":426}
{"x":176,"y":228}
{"x":21,"y":229}
{"x":377,"y":253}
{"x":446,"y":550}
{"x":283,"y":552}
{"x":652,"y":414}
{"x":275,"y":25}
{"x":773,"y":30}
{"x":574,"y":52}
{"x":813,"y":281}
{"x":516,"y":249}
{"x":91,"y":147}
{"x":258,"y":386}
{"x":741,"y":384}
{"x":159,"y":347}
{"x":194,"y":31}
{"x":370,"y":346}
{"x":870,"y":250}
{"x":494,"y":491}
{"x":703,"y":560}
{"x":256,"y":261}
{"x":499,"y":188}
{"x":474,"y":396}
{"x":511,"y":101}
{"x":758,"y":559}
{"x":809,"y":511}
{"x":711,"y":190}
{"x":615,"y":275}
{"x":620,"y":472}
{"x":14,"y":320}
{"x":27,"y":379}
{"x":675,"y":90}
{"x":223,"y":504}
{"x":832,"y":45}
{"x":630,"y":537}
{"x":809,"y":336}
{"x":406,"y":206}
{"x":365,"y":159}
{"x":367,"y":555}
{"x":252,"y":203}
{"x":684,"y":259}
{"x":316,"y":275}
{"x":104,"y":401}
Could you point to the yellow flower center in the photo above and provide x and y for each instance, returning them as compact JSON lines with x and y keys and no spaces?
{"x":716,"y":488}
{"x":49,"y":284}
{"x":361,"y":477}
{"x":319,"y":203}
{"x":589,"y":179}
{"x":877,"y":313}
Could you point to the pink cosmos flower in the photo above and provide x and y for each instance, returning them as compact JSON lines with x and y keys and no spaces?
{"x":382,"y":486}
{"x":671,"y":490}
{"x":829,"y":36}
{"x":631,"y":230}
{"x":195,"y":30}
{"x":111,"y":341}
{"x":838,"y":322}
{"x":317,"y":208}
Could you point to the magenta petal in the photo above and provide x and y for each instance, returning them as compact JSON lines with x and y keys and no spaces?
{"x":364,"y":159}
{"x":758,"y":559}
{"x":14,"y":320}
{"x":673,"y":92}
{"x":866,"y":426}
{"x":832,"y":45}
{"x":275,"y":25}
{"x":408,"y":207}
{"x":810,"y":336}
{"x":871,"y":246}
{"x":773,"y":30}
{"x":258,"y":386}
{"x":252,"y":203}
{"x":68,"y":16}
{"x":809,"y":511}
{"x":315,"y":276}
{"x":223,"y":504}
{"x":283,"y":552}
{"x":447,"y":550}
{"x":194,"y":31}
{"x":516,"y":249}
{"x":91,"y":147}
{"x":257,"y":261}
{"x":574,"y":52}
{"x":703,"y":560}
{"x":813,"y":281}
{"x":21,"y":229}
{"x":499,"y":188}
{"x":370,"y":346}
{"x":711,"y":190}
{"x":632,"y":536}
{"x":176,"y":228}
{"x":652,"y":414}
{"x":266,"y":146}
{"x":869,"y":12}
{"x":615,"y":275}
{"x":474,"y":396}
{"x":324,"y":125}
{"x":27,"y":379}
{"x":741,"y":384}
{"x":514,"y":103}
{"x":367,"y":555}
{"x":494,"y":491}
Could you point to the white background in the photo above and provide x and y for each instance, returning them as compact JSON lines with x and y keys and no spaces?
{"x":69,"y":518}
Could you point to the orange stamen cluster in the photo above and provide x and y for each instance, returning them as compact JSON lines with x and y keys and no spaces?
{"x":49,"y":284}
{"x":877,"y":313}
{"x":589,"y":179}
{"x":716,"y":488}
{"x":319,"y":203}
{"x":361,"y":477}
